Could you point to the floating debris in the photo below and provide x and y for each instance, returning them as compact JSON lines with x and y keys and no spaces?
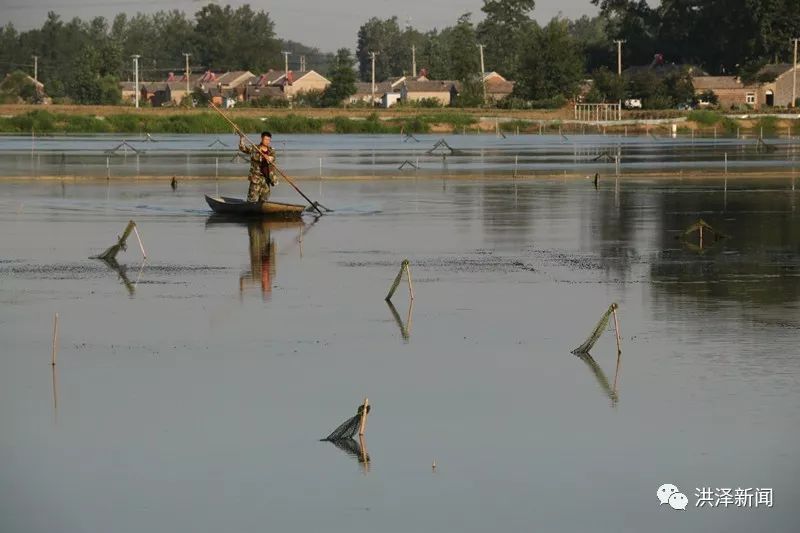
{"x":589,"y":343}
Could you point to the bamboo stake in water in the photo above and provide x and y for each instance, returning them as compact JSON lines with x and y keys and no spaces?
{"x":362,"y":426}
{"x":138,"y":238}
{"x":616,"y":328}
{"x":410,"y":285}
{"x":55,"y":341}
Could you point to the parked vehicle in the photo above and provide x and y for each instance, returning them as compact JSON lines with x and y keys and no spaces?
{"x":633,"y":103}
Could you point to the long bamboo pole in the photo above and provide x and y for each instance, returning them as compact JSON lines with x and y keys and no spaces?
{"x":287,"y":178}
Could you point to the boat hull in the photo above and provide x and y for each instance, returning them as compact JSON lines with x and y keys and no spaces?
{"x":238,"y":207}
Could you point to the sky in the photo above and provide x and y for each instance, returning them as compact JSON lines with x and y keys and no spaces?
{"x":327,"y":25}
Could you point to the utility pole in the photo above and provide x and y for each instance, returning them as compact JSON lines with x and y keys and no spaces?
{"x":36,"y":64}
{"x":136,"y":77}
{"x":302,"y":63}
{"x":188,"y":92}
{"x":286,"y":64}
{"x":413,"y":61}
{"x":619,"y":73}
{"x":794,"y":75}
{"x":483,"y":74}
{"x":619,"y":57}
{"x":373,"y":54}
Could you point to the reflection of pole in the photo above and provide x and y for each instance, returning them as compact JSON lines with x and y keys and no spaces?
{"x":364,"y":459}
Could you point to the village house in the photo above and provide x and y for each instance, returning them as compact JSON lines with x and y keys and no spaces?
{"x":443,"y":91}
{"x":778,"y":90}
{"x":282,"y":84}
{"x":731,"y":92}
{"x":772,"y":88}
{"x":497,"y":87}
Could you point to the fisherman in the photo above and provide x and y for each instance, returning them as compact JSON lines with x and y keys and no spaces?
{"x":262,"y":167}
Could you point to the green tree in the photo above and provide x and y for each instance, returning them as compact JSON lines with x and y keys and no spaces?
{"x":385,"y":39}
{"x":229,"y":39}
{"x":607,"y":86}
{"x":503,"y":32}
{"x":462,"y":49}
{"x":17,"y":86}
{"x":591,"y":35}
{"x":343,"y":79}
{"x":555,"y":69}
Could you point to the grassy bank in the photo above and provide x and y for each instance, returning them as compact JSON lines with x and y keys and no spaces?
{"x":43,"y":121}
{"x":59,"y":119}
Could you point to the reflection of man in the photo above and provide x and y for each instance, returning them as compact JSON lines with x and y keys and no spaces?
{"x":262,"y":252}
{"x":262,"y":168}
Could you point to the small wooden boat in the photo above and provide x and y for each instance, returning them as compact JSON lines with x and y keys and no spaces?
{"x":238,"y":207}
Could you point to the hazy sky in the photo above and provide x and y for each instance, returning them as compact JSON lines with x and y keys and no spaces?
{"x":326,"y":24}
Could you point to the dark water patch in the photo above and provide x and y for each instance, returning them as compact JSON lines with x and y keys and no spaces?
{"x":457,"y":264}
{"x":63,"y":271}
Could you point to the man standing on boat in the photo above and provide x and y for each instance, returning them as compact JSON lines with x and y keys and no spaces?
{"x":262,"y":167}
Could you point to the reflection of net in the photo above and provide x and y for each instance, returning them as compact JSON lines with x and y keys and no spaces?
{"x":602,"y":380}
{"x":351,"y":447}
{"x":348,"y":428}
{"x":595,"y":334}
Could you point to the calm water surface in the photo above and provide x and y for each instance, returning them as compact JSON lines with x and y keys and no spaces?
{"x":191,"y":391}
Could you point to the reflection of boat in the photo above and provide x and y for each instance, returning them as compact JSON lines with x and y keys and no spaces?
{"x":239,"y":207}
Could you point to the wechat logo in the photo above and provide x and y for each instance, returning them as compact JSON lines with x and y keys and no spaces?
{"x":671,"y":495}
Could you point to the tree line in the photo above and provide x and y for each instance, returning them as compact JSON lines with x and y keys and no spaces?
{"x":84,"y":60}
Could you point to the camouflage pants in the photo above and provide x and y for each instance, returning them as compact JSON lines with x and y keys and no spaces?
{"x":258,"y":191}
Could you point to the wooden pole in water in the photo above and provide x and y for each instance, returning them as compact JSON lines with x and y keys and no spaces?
{"x":55,"y":341}
{"x":616,"y":328}
{"x":410,"y":285}
{"x":362,"y":426}
{"x":138,"y":238}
